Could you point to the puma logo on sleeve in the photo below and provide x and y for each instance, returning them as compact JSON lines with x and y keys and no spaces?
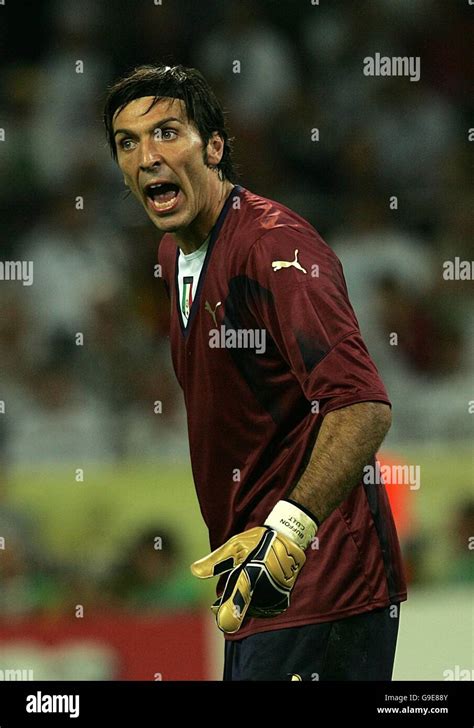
{"x":278,"y":264}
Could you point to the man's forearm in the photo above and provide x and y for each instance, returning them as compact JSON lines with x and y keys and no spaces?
{"x":348,"y":439}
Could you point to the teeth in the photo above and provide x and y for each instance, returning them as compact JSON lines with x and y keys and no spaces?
{"x":164,"y":205}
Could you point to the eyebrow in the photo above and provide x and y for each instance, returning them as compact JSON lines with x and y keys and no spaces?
{"x":151,"y":128}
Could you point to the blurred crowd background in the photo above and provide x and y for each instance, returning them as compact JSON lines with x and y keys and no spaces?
{"x":301,"y":68}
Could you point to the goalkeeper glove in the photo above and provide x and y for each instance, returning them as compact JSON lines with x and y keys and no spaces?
{"x":263,"y":562}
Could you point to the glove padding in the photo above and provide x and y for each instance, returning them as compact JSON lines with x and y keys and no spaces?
{"x":263,"y":565}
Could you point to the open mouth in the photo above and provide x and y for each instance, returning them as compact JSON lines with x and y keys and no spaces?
{"x":162,"y":197}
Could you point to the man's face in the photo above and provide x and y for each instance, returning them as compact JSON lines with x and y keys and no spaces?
{"x":161,"y":147}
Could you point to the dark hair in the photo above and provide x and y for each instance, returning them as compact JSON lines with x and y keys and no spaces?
{"x":175,"y":82}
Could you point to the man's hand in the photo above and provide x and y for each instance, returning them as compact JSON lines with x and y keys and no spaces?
{"x":263,"y":564}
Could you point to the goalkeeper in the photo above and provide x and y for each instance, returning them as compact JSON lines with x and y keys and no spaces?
{"x":285,"y":407}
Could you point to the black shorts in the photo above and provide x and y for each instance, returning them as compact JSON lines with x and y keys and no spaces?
{"x":361,"y":647}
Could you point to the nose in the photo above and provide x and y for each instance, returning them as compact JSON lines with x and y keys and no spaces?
{"x":150,"y":158}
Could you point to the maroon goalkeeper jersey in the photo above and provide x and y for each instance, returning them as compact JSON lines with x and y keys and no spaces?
{"x":271,"y":346}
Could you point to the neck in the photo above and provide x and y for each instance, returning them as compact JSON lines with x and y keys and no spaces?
{"x":194,"y":236}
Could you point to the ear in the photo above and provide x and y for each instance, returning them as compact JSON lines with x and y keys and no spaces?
{"x":215,"y":149}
